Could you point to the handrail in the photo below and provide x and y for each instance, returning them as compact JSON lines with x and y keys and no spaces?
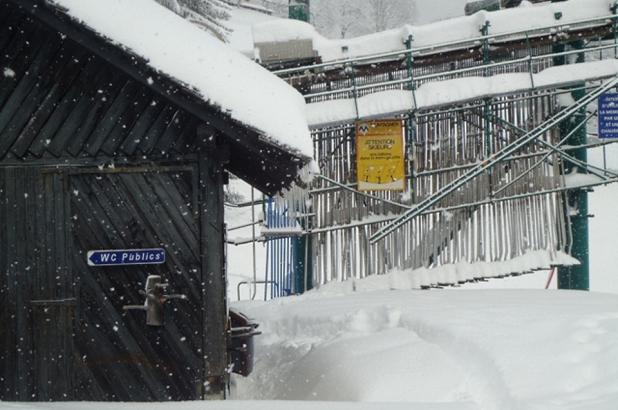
{"x":247,"y":225}
{"x":489,"y":163}
{"x":389,"y":218}
{"x":464,"y":70}
{"x":403,"y":52}
{"x":425,"y":108}
{"x":258,"y":282}
{"x":244,"y":204}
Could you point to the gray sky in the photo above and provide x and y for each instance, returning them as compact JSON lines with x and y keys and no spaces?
{"x":332,"y":17}
{"x":432,"y":10}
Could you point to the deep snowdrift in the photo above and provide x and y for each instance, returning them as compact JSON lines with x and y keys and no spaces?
{"x":474,"y":349}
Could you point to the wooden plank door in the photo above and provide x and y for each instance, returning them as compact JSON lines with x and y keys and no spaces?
{"x":118,"y":356}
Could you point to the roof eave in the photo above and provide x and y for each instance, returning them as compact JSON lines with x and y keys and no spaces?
{"x":238,"y":134}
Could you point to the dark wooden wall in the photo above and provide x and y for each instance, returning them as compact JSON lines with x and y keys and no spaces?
{"x":92,"y":159}
{"x":64,"y":334}
{"x":34,"y":262}
{"x":84,"y":98}
{"x":59,"y":100}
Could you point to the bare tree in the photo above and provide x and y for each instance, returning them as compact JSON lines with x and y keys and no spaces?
{"x":337,"y":18}
{"x":208,"y":14}
{"x":350,"y":15}
{"x":387,"y":14}
{"x":351,"y":18}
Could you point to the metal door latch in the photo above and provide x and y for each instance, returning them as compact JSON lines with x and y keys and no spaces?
{"x":155,"y":300}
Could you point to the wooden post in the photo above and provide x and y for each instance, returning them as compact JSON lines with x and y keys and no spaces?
{"x":212,"y":158}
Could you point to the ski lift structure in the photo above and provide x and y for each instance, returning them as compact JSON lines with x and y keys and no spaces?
{"x":492,"y":178}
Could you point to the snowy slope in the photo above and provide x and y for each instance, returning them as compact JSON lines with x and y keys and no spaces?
{"x":486,"y":350}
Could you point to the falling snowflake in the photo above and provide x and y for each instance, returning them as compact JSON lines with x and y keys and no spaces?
{"x":8,"y":73}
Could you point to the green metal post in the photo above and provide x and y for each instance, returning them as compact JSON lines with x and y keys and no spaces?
{"x":576,"y":277}
{"x":410,"y":68}
{"x":487,"y":111}
{"x":411,"y":120}
{"x":614,"y":9}
{"x":485,"y":32}
{"x":303,"y":269}
{"x":299,"y":10}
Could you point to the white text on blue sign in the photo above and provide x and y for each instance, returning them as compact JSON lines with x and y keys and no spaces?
{"x":608,"y":115}
{"x":115,"y":257}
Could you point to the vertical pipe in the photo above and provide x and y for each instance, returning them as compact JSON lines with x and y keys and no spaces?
{"x":576,"y":277}
{"x":254,"y":291}
{"x":299,"y":10}
{"x":614,"y":9}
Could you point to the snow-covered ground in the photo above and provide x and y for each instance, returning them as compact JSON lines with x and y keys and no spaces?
{"x":484,"y":349}
{"x":501,"y":344}
{"x":476,"y":347}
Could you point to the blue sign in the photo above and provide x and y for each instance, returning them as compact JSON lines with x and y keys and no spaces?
{"x":117,"y":257}
{"x":608,"y":115}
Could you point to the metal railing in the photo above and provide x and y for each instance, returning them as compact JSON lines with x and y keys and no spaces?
{"x":459,"y":44}
{"x":490,"y":163}
{"x":484,"y":177}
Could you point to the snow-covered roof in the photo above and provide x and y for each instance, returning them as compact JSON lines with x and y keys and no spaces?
{"x":502,"y":22}
{"x":241,"y":23}
{"x":217,"y":74}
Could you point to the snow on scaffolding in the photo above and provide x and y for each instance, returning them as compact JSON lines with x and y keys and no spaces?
{"x":455,"y":91}
{"x":454,"y":274}
{"x":217,"y":74}
{"x":502,"y":22}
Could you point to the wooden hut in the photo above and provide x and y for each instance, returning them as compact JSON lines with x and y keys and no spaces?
{"x":111,"y":186}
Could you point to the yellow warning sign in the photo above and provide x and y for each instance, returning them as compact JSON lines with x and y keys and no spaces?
{"x":380,"y":164}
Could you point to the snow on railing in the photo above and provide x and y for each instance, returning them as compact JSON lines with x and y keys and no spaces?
{"x":470,"y":39}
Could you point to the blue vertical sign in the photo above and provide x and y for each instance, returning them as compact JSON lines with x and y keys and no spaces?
{"x":608,"y":115}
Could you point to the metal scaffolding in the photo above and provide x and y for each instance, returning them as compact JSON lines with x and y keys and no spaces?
{"x":486,"y":178}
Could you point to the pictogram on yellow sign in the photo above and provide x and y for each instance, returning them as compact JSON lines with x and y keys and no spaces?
{"x":380,"y":164}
